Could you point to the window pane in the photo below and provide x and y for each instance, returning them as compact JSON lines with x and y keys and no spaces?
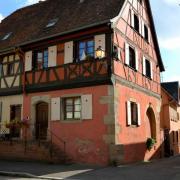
{"x":77,"y":108}
{"x":69,"y":115}
{"x":69,"y":108}
{"x":82,"y":45}
{"x":77,"y":101}
{"x":77,"y":115}
{"x":69,"y":101}
{"x":90,"y":50}
{"x":39,"y":56}
{"x":90,"y":43}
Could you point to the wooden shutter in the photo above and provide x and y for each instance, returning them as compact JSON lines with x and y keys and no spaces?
{"x":151,"y":66}
{"x":128,"y":113}
{"x":28,"y":61}
{"x":86,"y":101}
{"x":52,"y":56}
{"x":68,"y":54}
{"x":55,"y":109}
{"x":132,"y":18}
{"x":144,"y":66}
{"x":127,"y":53}
{"x":139,"y":114}
{"x":100,"y":40}
{"x":137,"y":59}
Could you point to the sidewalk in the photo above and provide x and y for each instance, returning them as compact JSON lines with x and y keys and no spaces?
{"x":42,"y":170}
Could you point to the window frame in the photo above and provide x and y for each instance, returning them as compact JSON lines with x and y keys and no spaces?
{"x":36,"y":59}
{"x":132,"y":58}
{"x":136,"y":23}
{"x":77,"y":49}
{"x":64,"y":103}
{"x":146,"y":33}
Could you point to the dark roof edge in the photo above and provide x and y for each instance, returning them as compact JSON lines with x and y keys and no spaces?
{"x":55,"y":35}
{"x":170,"y":96}
{"x":162,"y":68}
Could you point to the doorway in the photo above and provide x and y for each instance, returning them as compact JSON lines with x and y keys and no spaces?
{"x":41,"y":125}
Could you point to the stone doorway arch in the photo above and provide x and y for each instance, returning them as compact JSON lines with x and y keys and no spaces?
{"x":151,"y":124}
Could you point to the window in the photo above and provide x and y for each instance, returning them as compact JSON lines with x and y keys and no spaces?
{"x":6,"y":36}
{"x":140,"y":1}
{"x":132,"y":58}
{"x":148,"y":68}
{"x":177,"y":136}
{"x":72,"y":108}
{"x":10,"y":69}
{"x":85,"y":49}
{"x":136,"y":22}
{"x":51,"y":23}
{"x":146,"y":33}
{"x":133,"y":113}
{"x":41,"y":59}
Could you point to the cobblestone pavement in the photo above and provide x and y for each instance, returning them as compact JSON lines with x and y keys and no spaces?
{"x":165,"y":169}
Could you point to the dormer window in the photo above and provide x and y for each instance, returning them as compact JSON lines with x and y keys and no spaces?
{"x":6,"y":36}
{"x":52,"y":23}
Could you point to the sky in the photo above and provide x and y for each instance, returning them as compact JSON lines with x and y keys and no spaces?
{"x":166,"y":15}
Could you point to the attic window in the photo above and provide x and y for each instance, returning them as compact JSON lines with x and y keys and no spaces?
{"x":52,"y":22}
{"x":6,"y":36}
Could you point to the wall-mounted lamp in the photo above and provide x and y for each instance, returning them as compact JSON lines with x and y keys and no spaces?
{"x":100,"y":53}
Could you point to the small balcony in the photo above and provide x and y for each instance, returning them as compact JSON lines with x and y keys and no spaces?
{"x":81,"y":74}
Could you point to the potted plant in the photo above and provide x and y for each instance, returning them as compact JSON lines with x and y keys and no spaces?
{"x":150,"y":143}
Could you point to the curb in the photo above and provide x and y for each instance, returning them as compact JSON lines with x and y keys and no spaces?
{"x":26,"y":175}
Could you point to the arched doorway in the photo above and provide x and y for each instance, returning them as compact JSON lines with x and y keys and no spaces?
{"x":41,"y":124}
{"x":150,"y":124}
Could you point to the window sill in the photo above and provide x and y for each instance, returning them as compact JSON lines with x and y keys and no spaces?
{"x":131,"y":67}
{"x":133,"y":126}
{"x":71,"y":121}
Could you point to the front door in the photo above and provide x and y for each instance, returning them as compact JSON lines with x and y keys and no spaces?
{"x":41,"y":120}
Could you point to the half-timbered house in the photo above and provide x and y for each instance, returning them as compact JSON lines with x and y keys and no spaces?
{"x":86,"y":75}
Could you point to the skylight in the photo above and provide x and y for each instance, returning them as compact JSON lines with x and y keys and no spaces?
{"x":52,"y":22}
{"x":6,"y":36}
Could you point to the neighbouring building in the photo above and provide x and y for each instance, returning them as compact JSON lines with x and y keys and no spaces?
{"x":86,"y":75}
{"x":170,"y":120}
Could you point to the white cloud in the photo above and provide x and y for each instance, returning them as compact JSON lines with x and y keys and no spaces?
{"x":29,"y":2}
{"x":172,"y":2}
{"x":1,"y":17}
{"x":170,"y":43}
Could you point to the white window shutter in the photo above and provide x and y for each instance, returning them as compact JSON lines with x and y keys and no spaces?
{"x":137,"y":60}
{"x":151,"y":69}
{"x":127,"y":53}
{"x":119,"y":53}
{"x":149,"y":35}
{"x":140,"y":25}
{"x":132,"y":18}
{"x":52,"y":56}
{"x":139,"y":114}
{"x":86,"y":103}
{"x":28,"y":61}
{"x":144,"y":66}
{"x":55,"y":109}
{"x":143,"y":29}
{"x":68,"y":56}
{"x":128,"y":113}
{"x":100,"y":41}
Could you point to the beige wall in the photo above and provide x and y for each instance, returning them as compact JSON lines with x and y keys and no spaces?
{"x":7,"y":101}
